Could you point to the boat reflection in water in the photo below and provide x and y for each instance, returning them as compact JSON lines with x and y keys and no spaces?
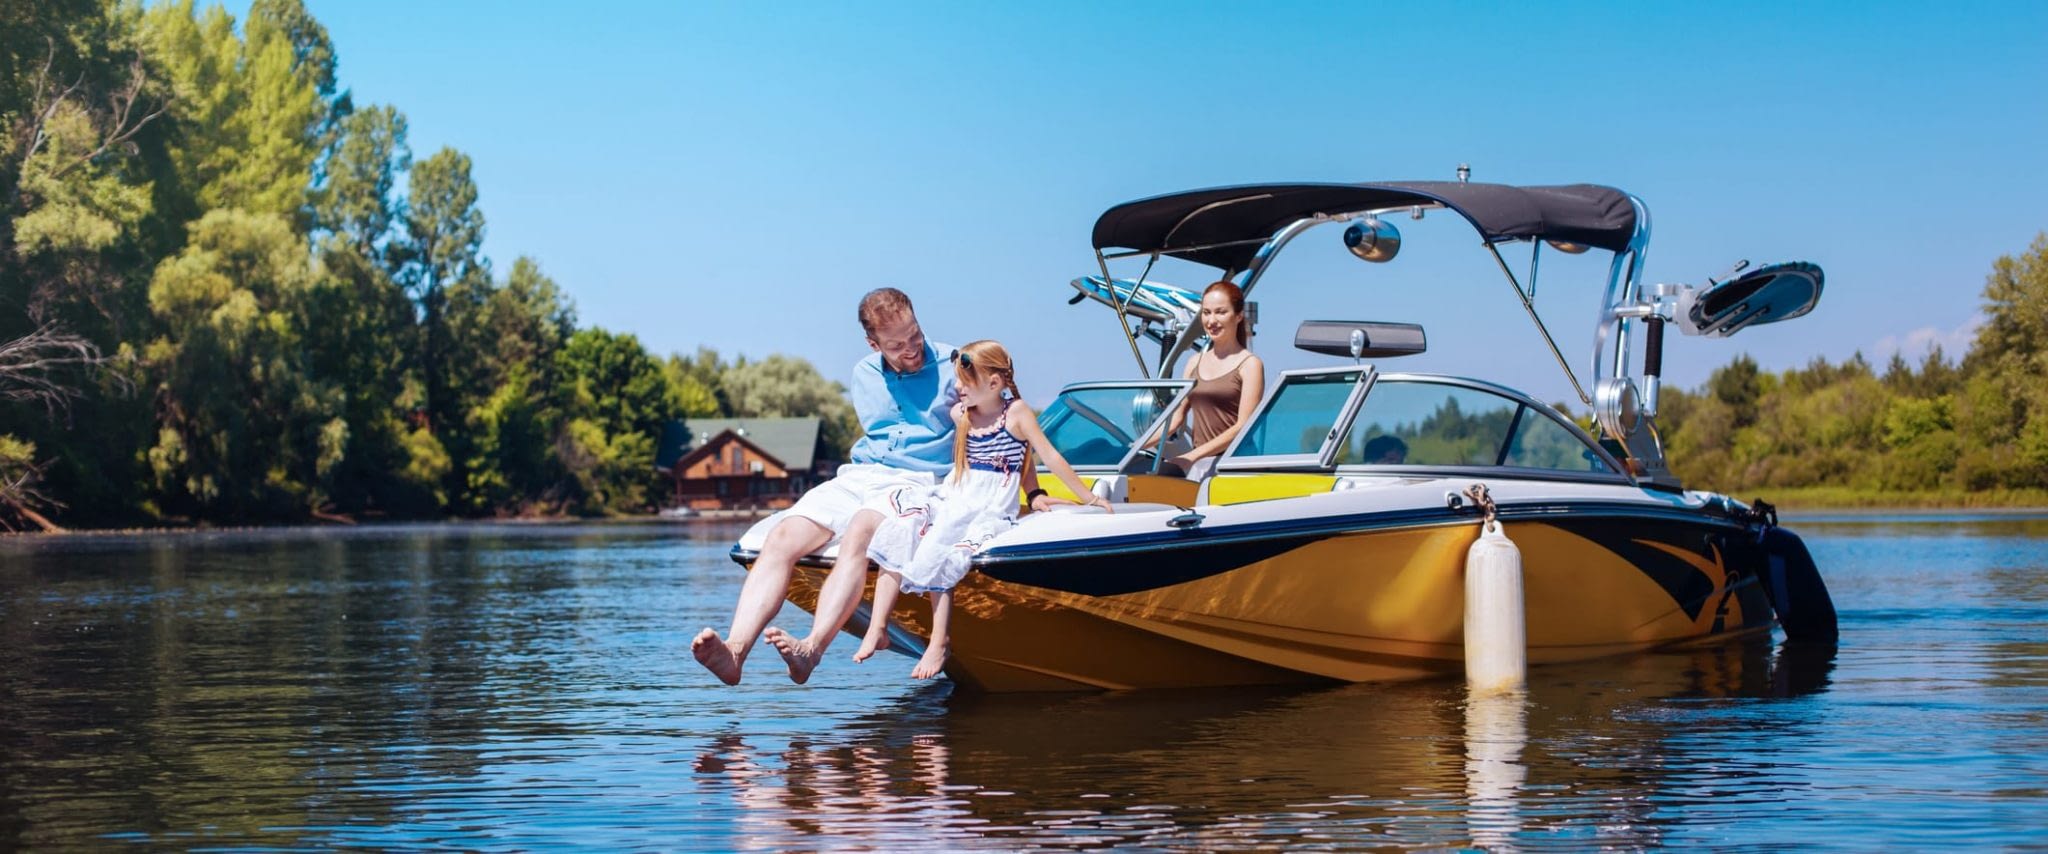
{"x":1633,"y":752}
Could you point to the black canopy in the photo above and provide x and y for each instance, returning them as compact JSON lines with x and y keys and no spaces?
{"x":1576,"y":213}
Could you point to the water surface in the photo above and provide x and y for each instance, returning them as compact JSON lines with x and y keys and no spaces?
{"x":517,"y":686}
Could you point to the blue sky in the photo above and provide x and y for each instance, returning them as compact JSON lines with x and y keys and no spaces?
{"x":736,"y":175}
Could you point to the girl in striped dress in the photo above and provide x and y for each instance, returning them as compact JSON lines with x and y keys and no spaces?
{"x":929,"y":534}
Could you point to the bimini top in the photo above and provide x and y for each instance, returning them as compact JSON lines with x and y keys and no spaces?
{"x":1576,"y":213}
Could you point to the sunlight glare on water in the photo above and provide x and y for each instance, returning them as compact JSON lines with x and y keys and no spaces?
{"x":526,"y":686}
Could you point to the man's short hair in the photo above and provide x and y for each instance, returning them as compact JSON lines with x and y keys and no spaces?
{"x":883,"y":305}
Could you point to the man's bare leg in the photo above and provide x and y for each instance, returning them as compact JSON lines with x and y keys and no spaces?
{"x":934,"y":658}
{"x":836,"y":600}
{"x":760,"y":598}
{"x":878,"y":620}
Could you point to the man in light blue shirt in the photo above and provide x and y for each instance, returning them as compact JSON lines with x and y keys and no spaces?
{"x":903,"y":394}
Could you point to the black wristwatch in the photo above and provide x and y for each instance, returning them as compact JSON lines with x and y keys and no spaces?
{"x":1032,"y":496}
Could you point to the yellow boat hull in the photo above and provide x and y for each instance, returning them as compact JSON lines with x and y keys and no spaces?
{"x":1367,"y":605}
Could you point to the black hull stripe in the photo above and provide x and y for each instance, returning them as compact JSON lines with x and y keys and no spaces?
{"x":1324,"y":526}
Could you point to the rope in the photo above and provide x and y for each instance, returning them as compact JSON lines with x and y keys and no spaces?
{"x":1484,"y":501}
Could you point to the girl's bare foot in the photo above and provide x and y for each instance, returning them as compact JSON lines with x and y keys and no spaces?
{"x":802,"y":659}
{"x":871,"y":643}
{"x":934,"y":660}
{"x":717,"y":656}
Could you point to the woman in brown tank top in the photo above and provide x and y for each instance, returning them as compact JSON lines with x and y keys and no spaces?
{"x":1229,"y":378}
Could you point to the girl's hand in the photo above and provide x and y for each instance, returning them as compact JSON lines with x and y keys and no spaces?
{"x":1099,"y":501}
{"x":959,"y":410}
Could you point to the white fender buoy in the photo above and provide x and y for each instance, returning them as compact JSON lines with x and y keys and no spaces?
{"x":1496,"y":639}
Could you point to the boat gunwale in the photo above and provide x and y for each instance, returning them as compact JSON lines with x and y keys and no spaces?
{"x":1379,"y":520}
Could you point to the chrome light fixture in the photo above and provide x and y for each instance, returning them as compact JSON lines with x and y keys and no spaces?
{"x":1373,"y":240}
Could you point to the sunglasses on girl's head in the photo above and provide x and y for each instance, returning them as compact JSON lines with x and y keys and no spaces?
{"x":965,"y":362}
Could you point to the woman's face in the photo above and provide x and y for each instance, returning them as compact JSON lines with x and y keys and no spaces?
{"x":1219,"y":318}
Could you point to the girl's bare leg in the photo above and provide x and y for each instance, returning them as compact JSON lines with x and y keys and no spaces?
{"x":934,"y":658}
{"x":878,"y":619}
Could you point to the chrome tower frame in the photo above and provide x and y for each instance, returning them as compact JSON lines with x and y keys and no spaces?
{"x":1624,"y":417}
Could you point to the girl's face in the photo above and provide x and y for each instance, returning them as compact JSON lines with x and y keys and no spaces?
{"x":981,"y":392}
{"x":1219,"y":318}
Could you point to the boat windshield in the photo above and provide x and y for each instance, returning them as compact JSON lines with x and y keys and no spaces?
{"x":1094,"y":425}
{"x":1299,"y":421}
{"x":1420,"y":423}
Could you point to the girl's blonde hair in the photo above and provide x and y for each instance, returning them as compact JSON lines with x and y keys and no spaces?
{"x":973,"y":362}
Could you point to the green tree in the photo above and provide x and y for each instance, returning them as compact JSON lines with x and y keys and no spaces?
{"x":76,"y":105}
{"x":510,"y":339}
{"x":2016,"y":311}
{"x":251,"y":113}
{"x":2003,"y":411}
{"x":356,"y":202}
{"x":699,"y":381}
{"x":361,"y":333}
{"x":619,"y":401}
{"x":782,"y":386}
{"x":1738,"y":385}
{"x":443,"y":254}
{"x":244,"y":431}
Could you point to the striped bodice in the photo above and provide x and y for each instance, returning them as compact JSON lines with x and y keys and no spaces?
{"x":999,"y":450}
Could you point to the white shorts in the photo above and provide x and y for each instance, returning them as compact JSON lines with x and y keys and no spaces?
{"x":832,"y":504}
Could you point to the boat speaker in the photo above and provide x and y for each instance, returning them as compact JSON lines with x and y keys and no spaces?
{"x":1373,"y":240}
{"x":1616,"y":408}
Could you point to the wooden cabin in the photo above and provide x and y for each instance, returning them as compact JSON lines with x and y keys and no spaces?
{"x":743,"y":463}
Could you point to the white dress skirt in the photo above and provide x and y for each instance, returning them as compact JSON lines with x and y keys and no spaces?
{"x":930,"y":533}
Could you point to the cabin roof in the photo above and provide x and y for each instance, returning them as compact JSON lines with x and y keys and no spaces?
{"x":793,"y":442}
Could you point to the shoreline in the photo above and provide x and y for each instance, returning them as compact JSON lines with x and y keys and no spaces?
{"x":389,"y":524}
{"x":1815,"y":512}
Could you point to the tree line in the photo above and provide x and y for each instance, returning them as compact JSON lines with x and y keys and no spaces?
{"x":217,"y":306}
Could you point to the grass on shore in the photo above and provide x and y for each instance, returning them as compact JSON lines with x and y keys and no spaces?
{"x":1810,"y":498}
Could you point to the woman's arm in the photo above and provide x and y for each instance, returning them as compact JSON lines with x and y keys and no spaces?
{"x":1180,"y":413}
{"x":1024,"y":423}
{"x":1252,"y":373}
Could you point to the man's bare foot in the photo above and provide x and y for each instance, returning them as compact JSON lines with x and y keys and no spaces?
{"x":801,"y":657}
{"x":934,"y":660}
{"x":717,"y":656}
{"x":871,"y":643}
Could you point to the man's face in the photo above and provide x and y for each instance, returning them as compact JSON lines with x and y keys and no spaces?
{"x":901,"y":343}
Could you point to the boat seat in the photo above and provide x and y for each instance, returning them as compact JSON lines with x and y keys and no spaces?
{"x":1246,"y":488}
